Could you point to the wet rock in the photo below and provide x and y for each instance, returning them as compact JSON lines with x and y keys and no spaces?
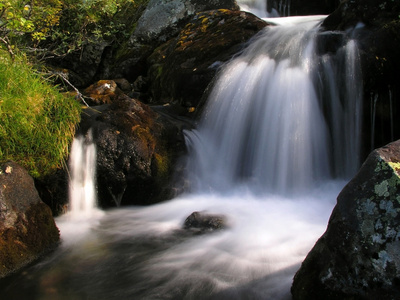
{"x":201,"y":222}
{"x":137,"y":151}
{"x":181,"y":69}
{"x":27,"y":228}
{"x":378,"y":39}
{"x":358,"y":255}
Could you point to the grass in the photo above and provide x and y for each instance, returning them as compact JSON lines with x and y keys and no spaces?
{"x":37,"y":122}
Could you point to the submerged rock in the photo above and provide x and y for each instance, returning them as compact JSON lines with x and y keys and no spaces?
{"x":27,"y":227}
{"x":201,"y":222}
{"x":358,"y":255}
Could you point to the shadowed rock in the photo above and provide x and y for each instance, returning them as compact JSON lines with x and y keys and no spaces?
{"x":27,"y":227}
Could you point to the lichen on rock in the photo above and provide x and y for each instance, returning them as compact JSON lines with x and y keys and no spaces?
{"x":358,"y":255}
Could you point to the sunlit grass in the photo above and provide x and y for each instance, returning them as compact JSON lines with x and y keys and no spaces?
{"x":37,"y":122}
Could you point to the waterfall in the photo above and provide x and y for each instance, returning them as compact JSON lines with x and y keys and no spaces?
{"x":281,"y":118}
{"x":82,"y":187}
{"x":280,"y":126}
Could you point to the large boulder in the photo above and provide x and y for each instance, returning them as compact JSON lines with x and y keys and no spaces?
{"x":159,"y":22}
{"x":358,"y":255}
{"x":27,"y":228}
{"x":137,"y":150}
{"x":181,"y":69}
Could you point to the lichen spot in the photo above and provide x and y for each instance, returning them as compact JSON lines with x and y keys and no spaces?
{"x":381,"y":189}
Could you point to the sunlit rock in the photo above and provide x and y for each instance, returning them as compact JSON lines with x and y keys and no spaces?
{"x":358,"y":255}
{"x":181,"y":69}
{"x":27,"y":227}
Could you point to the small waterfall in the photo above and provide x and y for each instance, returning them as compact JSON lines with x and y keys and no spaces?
{"x":82,"y":188}
{"x":281,"y":118}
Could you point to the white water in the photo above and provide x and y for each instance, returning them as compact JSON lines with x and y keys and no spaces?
{"x":83,"y":211}
{"x":264,"y":155}
{"x":82,"y":188}
{"x":257,"y":7}
{"x":264,"y":126}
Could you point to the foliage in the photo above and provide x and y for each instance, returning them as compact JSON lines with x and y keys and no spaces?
{"x":63,"y":26}
{"x":35,"y":18}
{"x":37,"y":122}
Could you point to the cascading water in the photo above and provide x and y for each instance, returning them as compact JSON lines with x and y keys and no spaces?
{"x":83,"y":212}
{"x":265,"y":126}
{"x":82,"y":189}
{"x":280,"y":124}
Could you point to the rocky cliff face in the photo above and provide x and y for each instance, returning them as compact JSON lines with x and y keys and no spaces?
{"x":27,"y":227}
{"x":358,"y":255}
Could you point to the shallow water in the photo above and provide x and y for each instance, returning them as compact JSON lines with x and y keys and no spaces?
{"x":142,"y":252}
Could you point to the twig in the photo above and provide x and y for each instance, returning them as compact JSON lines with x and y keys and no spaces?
{"x":79,"y":94}
{"x":6,"y":42}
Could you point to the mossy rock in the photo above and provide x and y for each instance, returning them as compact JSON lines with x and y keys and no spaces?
{"x":181,"y":69}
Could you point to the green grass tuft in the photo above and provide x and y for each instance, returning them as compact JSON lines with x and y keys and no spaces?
{"x":37,"y":122}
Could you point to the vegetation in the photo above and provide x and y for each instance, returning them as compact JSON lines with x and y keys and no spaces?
{"x":37,"y":121}
{"x":58,"y":27}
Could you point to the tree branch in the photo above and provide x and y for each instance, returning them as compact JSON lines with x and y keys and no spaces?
{"x":6,"y":42}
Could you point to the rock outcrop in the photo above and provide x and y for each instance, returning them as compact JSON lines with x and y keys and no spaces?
{"x":358,"y":255}
{"x":137,"y":150}
{"x":181,"y":69}
{"x":27,"y":228}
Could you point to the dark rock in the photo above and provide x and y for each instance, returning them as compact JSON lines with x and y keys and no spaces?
{"x":378,"y":39}
{"x":27,"y":227}
{"x":181,"y":69}
{"x":124,"y":85}
{"x":137,"y":151}
{"x":82,"y":66}
{"x":358,"y":255}
{"x":53,"y":190}
{"x":201,"y":222}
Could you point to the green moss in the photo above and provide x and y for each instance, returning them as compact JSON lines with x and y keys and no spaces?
{"x":37,"y":121}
